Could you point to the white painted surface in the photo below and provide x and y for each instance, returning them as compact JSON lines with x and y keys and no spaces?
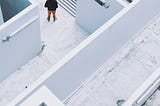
{"x":90,"y":15}
{"x":60,"y":38}
{"x":123,"y":2}
{"x":112,"y":36}
{"x":145,"y":90}
{"x":93,"y":49}
{"x":68,"y":57}
{"x":24,"y":41}
{"x":154,"y":100}
{"x":42,"y":95}
{"x":124,"y":73}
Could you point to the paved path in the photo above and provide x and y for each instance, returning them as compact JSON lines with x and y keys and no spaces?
{"x":119,"y":77}
{"x":60,"y":37}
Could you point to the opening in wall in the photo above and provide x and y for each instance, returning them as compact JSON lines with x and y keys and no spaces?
{"x":10,"y":8}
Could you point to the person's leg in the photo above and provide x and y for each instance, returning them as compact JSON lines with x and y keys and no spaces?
{"x":49,"y":15}
{"x":54,"y":15}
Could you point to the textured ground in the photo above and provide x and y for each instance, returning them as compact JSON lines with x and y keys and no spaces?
{"x":60,"y":37}
{"x":116,"y":80}
{"x":119,"y":77}
{"x":154,"y":100}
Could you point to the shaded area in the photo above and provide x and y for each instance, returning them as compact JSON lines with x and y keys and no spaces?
{"x":10,"y":8}
{"x":1,"y":16}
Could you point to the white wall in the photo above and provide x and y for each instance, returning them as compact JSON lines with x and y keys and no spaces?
{"x":42,"y":95}
{"x":24,"y":44}
{"x":94,"y":53}
{"x":90,"y":15}
{"x":89,"y":59}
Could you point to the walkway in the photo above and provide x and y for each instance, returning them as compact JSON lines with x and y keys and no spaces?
{"x":119,"y":77}
{"x":60,"y":37}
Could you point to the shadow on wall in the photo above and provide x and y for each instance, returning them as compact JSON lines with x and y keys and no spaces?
{"x":91,"y":15}
{"x":10,"y":8}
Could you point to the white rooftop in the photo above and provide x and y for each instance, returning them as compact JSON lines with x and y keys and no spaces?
{"x":60,"y":37}
{"x":119,"y":77}
{"x":115,"y":80}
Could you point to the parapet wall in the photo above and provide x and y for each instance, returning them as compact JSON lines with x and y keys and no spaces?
{"x":101,"y":46}
{"x":19,"y":40}
{"x":72,"y":71}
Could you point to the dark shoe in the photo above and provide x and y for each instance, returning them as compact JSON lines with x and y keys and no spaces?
{"x":48,"y":19}
{"x":54,"y":18}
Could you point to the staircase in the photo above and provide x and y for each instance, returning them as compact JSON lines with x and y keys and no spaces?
{"x":69,"y":6}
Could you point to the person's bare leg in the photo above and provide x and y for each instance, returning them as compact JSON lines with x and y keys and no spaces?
{"x":49,"y":16}
{"x":54,"y":16}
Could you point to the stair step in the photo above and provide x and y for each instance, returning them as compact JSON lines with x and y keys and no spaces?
{"x":75,"y":1}
{"x":69,"y":6}
{"x":68,"y":9}
{"x":71,"y":2}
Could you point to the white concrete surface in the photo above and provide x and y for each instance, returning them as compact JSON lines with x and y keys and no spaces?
{"x":154,"y":100}
{"x":19,"y":36}
{"x":1,"y":16}
{"x":145,"y":90}
{"x":98,"y":48}
{"x":90,"y":15}
{"x":43,"y":95}
{"x":116,"y":79}
{"x":119,"y":77}
{"x":60,"y":37}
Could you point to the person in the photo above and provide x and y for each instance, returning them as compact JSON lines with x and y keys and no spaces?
{"x":52,"y":5}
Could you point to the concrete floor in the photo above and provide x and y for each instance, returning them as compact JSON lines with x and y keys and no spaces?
{"x":119,"y":77}
{"x":60,"y":38}
{"x":116,"y":80}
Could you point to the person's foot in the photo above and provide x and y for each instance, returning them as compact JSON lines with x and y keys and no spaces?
{"x":54,"y":19}
{"x":48,"y":19}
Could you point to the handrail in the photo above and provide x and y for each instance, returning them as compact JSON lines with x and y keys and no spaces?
{"x":145,"y":90}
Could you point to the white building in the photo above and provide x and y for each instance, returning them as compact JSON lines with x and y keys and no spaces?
{"x":19,"y":34}
{"x":110,"y":25}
